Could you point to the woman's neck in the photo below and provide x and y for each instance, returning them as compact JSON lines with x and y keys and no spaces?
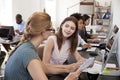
{"x":36,"y":41}
{"x":64,"y":39}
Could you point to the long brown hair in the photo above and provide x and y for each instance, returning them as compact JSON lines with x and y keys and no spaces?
{"x":73,"y":37}
{"x":37,"y":23}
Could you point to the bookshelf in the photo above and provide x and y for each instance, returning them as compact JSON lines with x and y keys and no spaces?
{"x":102,"y":13}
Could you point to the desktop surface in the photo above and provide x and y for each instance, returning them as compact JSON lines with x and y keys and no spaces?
{"x":105,"y":77}
{"x":112,"y":60}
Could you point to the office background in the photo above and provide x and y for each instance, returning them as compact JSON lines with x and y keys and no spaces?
{"x":9,"y":8}
{"x":59,"y":7}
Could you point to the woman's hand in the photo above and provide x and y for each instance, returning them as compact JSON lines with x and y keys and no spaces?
{"x":86,"y":46}
{"x":73,"y":75}
{"x":74,"y":66}
{"x":91,"y":65}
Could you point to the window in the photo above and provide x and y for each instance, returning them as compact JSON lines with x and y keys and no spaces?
{"x":6,"y":12}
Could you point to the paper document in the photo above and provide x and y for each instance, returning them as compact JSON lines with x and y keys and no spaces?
{"x":95,"y":69}
{"x":87,"y":63}
{"x":91,"y":49}
{"x":110,"y":65}
{"x":79,"y":48}
{"x":93,"y":44}
{"x":101,"y":36}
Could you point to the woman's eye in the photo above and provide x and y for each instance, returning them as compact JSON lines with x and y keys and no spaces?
{"x":66,"y":25}
{"x":72,"y":28}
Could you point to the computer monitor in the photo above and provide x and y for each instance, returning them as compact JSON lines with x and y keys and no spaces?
{"x":111,"y":32}
{"x":118,"y":50}
{"x":112,"y":36}
{"x":110,"y":45}
{"x":4,"y":32}
{"x":8,"y":30}
{"x":115,"y":29}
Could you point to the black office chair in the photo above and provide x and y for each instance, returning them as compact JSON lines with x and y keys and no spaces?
{"x":2,"y":57}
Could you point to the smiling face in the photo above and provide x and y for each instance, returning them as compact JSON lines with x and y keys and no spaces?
{"x":68,"y":28}
{"x":87,"y":22}
{"x":80,"y":24}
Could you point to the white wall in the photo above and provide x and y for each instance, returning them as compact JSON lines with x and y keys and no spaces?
{"x":64,"y":9}
{"x":26,"y":7}
{"x":5,"y":12}
{"x":116,"y":12}
{"x":50,"y":8}
{"x":61,"y":11}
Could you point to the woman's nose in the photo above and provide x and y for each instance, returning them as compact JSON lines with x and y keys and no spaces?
{"x":68,"y":29}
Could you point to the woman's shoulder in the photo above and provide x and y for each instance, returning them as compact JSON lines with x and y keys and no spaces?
{"x":52,"y":37}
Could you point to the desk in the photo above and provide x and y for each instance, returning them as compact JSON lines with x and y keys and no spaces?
{"x":112,"y":59}
{"x":104,"y":77}
{"x":6,"y":43}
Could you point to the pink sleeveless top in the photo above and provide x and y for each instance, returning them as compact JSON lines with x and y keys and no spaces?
{"x":59,"y":56}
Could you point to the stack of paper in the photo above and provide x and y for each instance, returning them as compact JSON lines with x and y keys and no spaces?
{"x":95,"y":69}
{"x":92,"y":49}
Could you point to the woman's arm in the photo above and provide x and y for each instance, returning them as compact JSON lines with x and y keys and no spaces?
{"x":78,"y":57}
{"x":35,"y":69}
{"x":48,"y":50}
{"x":73,"y":75}
{"x":58,"y":69}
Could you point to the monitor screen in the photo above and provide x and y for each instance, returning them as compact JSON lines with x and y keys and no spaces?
{"x":112,"y":37}
{"x":118,"y":50}
{"x":4,"y":32}
{"x":115,"y":29}
{"x":11,"y":29}
{"x":110,"y":45}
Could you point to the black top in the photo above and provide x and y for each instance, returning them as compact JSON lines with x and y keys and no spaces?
{"x":84,"y":35}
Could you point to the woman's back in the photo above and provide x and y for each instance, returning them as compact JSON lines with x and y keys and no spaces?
{"x":17,"y":63}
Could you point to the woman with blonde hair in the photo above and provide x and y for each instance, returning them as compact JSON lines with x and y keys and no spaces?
{"x":24,"y":62}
